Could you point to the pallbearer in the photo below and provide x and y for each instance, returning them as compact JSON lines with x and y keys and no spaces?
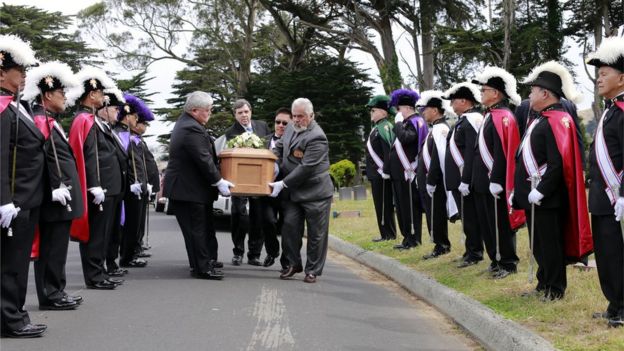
{"x":378,"y":145}
{"x":549,"y":182}
{"x":493,"y":170}
{"x":62,"y":202}
{"x":606,"y":194}
{"x":410,"y":130}
{"x":431,"y":173}
{"x":465,"y":99}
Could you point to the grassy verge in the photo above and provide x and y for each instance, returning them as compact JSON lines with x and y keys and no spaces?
{"x":567,"y":323}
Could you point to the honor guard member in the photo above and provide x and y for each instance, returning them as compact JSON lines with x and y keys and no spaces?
{"x":465,"y":98}
{"x":62,"y":203}
{"x":606,"y":194}
{"x":549,"y":181}
{"x":113,"y":100}
{"x":410,"y":130}
{"x":241,"y":220}
{"x":439,"y":203}
{"x":136,"y":180}
{"x":21,"y":187}
{"x":153,"y":181}
{"x":100,"y":174}
{"x":493,"y":170}
{"x":378,"y":147}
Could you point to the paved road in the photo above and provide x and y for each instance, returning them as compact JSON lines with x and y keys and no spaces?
{"x":161,"y":308}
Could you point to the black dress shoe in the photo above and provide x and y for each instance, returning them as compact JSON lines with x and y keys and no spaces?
{"x":615,"y":322}
{"x":283,"y":270}
{"x":143,"y":254}
{"x":103,"y":285}
{"x":61,"y":304}
{"x":269,"y":261}
{"x":254,"y":261}
{"x":77,"y":298}
{"x":216,"y":264}
{"x":115,"y":281}
{"x":210,"y":275}
{"x":399,"y":247}
{"x":602,"y":315}
{"x":292,"y":270}
{"x":117,"y":272}
{"x":136,"y":263}
{"x":237,"y":260}
{"x":310,"y":278}
{"x":467,"y":263}
{"x":28,"y":331}
{"x":503,"y":273}
{"x":376,"y":240}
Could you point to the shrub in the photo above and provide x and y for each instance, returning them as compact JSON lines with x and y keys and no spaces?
{"x":343,"y":172}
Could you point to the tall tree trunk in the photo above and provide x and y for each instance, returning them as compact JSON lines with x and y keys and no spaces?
{"x":427,"y":21}
{"x":244,"y":75}
{"x":596,"y":105}
{"x":419,"y":70}
{"x":389,"y":71}
{"x":508,"y":20}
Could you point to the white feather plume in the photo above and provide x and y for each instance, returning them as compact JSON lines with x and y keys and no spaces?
{"x":609,"y":51}
{"x":84,"y":75}
{"x":511,"y":88}
{"x":425,"y":96}
{"x":567,"y":83}
{"x":20,"y":50}
{"x":55,"y":69}
{"x":474,"y":89}
{"x":115,"y":91}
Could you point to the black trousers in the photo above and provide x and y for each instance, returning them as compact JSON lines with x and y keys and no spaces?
{"x":244,"y":222}
{"x":196,"y":223}
{"x":384,"y":208}
{"x":93,"y":252}
{"x":440,"y":218}
{"x":608,"y":248}
{"x":507,"y":237}
{"x":14,"y":269}
{"x":267,"y":213}
{"x":315,"y":216}
{"x":411,"y":231}
{"x":548,"y":250}
{"x":142,"y":224}
{"x":134,"y":209}
{"x":470,"y":224}
{"x":114,"y":242}
{"x":50,"y":267}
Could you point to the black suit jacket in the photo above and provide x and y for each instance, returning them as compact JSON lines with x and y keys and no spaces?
{"x":153,"y":175}
{"x":192,"y":167}
{"x":465,"y":137}
{"x":29,"y":165}
{"x":260,"y":128}
{"x":407,"y":134}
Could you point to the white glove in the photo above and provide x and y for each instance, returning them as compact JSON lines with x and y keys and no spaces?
{"x":136,"y":189}
{"x":7,"y":213}
{"x":619,"y":208}
{"x":535,"y":197}
{"x":495,"y":189}
{"x":149,"y":189}
{"x":398,"y":117}
{"x":385,"y":176}
{"x":431,"y":189}
{"x":98,"y":195}
{"x":61,"y":195}
{"x":277,"y":187}
{"x":224,"y":187}
{"x":464,"y":189}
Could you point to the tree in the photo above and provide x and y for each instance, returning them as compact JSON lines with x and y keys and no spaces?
{"x":48,"y":34}
{"x":136,"y":85}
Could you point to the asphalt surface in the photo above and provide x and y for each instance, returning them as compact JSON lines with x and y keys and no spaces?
{"x":161,"y":307}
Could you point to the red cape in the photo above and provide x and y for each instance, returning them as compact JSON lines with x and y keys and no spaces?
{"x":5,"y":100}
{"x":620,"y":104}
{"x":77,"y":135}
{"x":577,"y":228}
{"x":507,"y":129}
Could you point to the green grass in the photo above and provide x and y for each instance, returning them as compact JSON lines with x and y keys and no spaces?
{"x":567,"y":323}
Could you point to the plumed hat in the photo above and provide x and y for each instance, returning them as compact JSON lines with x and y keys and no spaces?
{"x":465,"y":90}
{"x":403,"y":97}
{"x":500,"y":80}
{"x":435,"y":98}
{"x":556,"y":78}
{"x":610,"y":53}
{"x":134,"y":105}
{"x":14,"y":52}
{"x":90,"y":79}
{"x":382,"y":102}
{"x":48,"y":77}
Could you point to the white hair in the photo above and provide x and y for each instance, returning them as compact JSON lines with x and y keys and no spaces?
{"x":308,"y":108}
{"x":197,"y":99}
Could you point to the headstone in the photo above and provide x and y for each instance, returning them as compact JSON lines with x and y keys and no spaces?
{"x":359,"y":192}
{"x":345,"y":193}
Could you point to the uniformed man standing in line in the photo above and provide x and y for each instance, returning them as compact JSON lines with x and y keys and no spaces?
{"x":100,"y":174}
{"x":493,"y":170}
{"x":549,"y":181}
{"x":410,"y":130}
{"x":378,"y":145}
{"x":606,"y":193}
{"x":439,"y":204}
{"x":46,"y":85}
{"x":465,"y":98}
{"x":21,"y":187}
{"x":153,"y":181}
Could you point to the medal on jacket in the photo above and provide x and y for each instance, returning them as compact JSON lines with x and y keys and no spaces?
{"x":298,"y":153}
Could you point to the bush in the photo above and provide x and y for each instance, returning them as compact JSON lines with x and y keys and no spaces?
{"x":343,"y":172}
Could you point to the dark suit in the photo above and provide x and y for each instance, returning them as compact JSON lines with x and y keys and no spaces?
{"x":55,"y":219}
{"x":241,"y":221}
{"x":189,"y":179}
{"x":606,"y":230}
{"x":465,"y":137}
{"x":153,"y":178}
{"x":303,"y":159}
{"x":27,"y":195}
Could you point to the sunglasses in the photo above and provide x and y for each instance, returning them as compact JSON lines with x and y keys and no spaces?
{"x":284,"y":123}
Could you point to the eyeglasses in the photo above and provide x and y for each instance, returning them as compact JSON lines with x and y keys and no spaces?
{"x":284,"y":123}
{"x":483,"y":90}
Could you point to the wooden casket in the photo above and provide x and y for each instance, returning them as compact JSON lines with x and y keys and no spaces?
{"x":249,"y":169}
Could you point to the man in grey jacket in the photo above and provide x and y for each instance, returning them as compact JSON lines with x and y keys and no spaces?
{"x":306,"y":190}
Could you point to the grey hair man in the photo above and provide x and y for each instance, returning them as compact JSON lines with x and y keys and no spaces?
{"x":305,"y":190}
{"x":191,"y":170}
